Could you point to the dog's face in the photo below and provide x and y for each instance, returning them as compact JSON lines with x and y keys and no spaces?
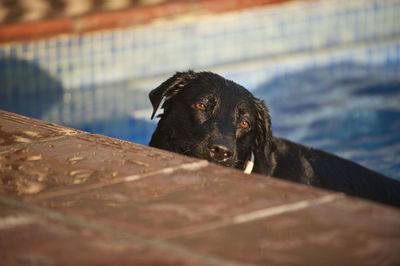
{"x":209,"y":117}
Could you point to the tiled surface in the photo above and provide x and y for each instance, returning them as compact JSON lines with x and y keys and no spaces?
{"x":166,"y":209}
{"x":42,"y":242}
{"x":96,"y":13}
{"x":162,"y":48}
{"x":186,"y":200}
{"x":344,"y":232}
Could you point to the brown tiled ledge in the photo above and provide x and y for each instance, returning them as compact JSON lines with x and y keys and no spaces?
{"x":136,"y":15}
{"x":70,"y":197}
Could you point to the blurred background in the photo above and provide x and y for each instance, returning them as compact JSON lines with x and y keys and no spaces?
{"x":328,"y":70}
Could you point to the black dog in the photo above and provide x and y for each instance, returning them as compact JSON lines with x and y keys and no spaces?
{"x":209,"y":117}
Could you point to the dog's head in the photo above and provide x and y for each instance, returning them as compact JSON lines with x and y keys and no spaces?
{"x":212,"y":118}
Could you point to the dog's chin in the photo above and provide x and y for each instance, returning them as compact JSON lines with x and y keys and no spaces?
{"x":231,"y":163}
{"x":226,"y":163}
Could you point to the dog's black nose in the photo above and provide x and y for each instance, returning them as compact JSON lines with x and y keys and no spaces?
{"x":220,"y":152}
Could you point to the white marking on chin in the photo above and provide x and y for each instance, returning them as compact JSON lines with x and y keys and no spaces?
{"x":249,"y":165}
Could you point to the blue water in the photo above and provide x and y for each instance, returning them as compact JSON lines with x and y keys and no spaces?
{"x":347,"y":109}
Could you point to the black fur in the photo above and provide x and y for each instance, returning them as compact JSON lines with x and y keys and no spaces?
{"x":202,"y":117}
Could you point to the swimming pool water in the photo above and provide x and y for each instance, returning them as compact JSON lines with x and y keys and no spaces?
{"x":348,"y":109}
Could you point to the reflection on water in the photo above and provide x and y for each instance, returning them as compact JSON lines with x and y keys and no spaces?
{"x":27,"y":89}
{"x":350,"y":110}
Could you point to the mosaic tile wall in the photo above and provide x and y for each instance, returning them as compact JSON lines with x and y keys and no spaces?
{"x":249,"y":46}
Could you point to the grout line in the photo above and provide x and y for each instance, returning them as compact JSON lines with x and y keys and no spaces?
{"x":286,"y":208}
{"x":48,"y":140}
{"x":9,"y":222}
{"x":192,"y":166}
{"x":116,"y":234}
{"x":260,"y":214}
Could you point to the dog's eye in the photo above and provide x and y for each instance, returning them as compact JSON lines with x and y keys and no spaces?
{"x":244,"y":124}
{"x":200,"y":106}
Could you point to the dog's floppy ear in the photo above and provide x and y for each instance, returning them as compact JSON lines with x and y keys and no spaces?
{"x":169,"y":88}
{"x":263,"y":145}
{"x":264,"y":136}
